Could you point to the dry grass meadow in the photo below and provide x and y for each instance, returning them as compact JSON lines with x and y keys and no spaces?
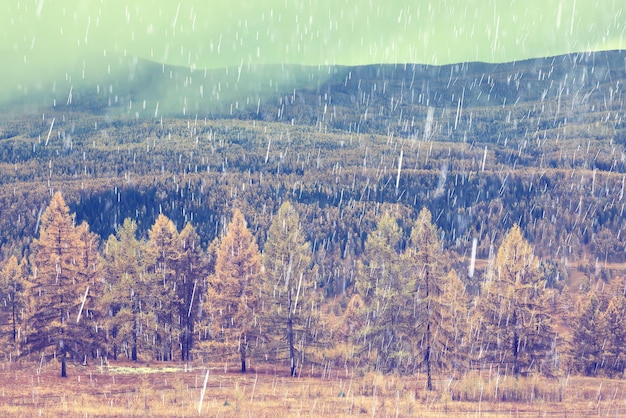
{"x":174,"y":390}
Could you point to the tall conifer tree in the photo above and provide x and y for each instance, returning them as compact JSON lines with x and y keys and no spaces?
{"x":588,"y":337}
{"x":163,"y":256}
{"x":517,"y":331}
{"x":439,"y":303}
{"x":385,"y":291}
{"x":288,"y":299}
{"x":56,"y":290}
{"x":233,"y":296}
{"x":614,"y":342}
{"x":191,"y":272}
{"x":12,"y":281}
{"x":90,"y":271}
{"x":126,"y":292}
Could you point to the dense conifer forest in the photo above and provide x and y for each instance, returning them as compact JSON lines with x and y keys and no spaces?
{"x":395,"y":218}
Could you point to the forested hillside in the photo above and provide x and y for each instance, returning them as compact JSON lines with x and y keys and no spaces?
{"x":395,"y":218}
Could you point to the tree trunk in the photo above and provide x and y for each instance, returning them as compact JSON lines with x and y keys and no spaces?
{"x":428,"y":336}
{"x":292,"y":354}
{"x":14,"y":319}
{"x":242,"y":352}
{"x":516,"y":367}
{"x":63,"y":364}
{"x":427,"y":358}
{"x":133,"y":352}
{"x":184,"y":349}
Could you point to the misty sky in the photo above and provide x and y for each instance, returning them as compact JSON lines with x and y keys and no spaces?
{"x":45,"y":41}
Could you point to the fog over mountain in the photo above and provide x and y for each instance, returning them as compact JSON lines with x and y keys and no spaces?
{"x":53,"y":45}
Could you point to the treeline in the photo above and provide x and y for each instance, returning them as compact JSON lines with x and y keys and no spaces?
{"x":164,"y":297}
{"x":538,"y":143}
{"x":568,"y":206}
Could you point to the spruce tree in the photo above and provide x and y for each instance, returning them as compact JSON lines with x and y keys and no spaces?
{"x":191,"y":272}
{"x":163,"y":257}
{"x":588,"y":337}
{"x":386,"y":293}
{"x":288,"y":299}
{"x":439,"y":300}
{"x":126,"y":291}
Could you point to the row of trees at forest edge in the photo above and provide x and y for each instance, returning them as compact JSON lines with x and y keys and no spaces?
{"x":166,"y":298}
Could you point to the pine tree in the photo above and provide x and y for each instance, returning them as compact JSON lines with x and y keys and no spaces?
{"x":455,"y":324}
{"x":90,"y":271}
{"x":12,"y":283}
{"x":588,"y":335}
{"x":163,"y":256}
{"x":385,"y":290}
{"x":516,"y":329}
{"x":191,"y":273}
{"x":614,"y":346}
{"x":57,"y":287}
{"x":288,"y":300}
{"x":126,"y":291}
{"x":233,"y":299}
{"x":439,"y":301}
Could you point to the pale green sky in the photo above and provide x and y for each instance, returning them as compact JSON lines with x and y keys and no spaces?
{"x":43,"y":41}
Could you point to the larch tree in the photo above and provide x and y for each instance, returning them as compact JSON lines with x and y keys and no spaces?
{"x":126,"y":293}
{"x":57,"y":289}
{"x":516,"y":327}
{"x":90,"y":271}
{"x":12,"y":277}
{"x":163,"y":257}
{"x":438,"y":303}
{"x":345,"y":346}
{"x":203,"y":325}
{"x":387,"y":298}
{"x":455,"y":303}
{"x":191,"y":273}
{"x":288,"y":300}
{"x":588,"y":337}
{"x":232,"y":302}
{"x":614,"y":321}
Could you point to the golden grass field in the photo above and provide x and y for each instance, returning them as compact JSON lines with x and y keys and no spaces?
{"x":174,"y":390}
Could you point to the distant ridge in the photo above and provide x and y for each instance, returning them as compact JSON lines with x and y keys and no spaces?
{"x":509,"y":142}
{"x":362,"y":98}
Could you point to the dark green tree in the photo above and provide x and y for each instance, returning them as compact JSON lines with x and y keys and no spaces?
{"x":191,"y":271}
{"x":439,"y":300}
{"x":163,"y":257}
{"x":288,"y":293}
{"x":126,"y":295}
{"x":385,"y":289}
{"x":588,"y":336}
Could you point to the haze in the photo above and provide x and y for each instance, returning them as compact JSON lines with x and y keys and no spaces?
{"x":47,"y":42}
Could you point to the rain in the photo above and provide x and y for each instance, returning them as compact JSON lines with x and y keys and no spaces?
{"x":329,"y":208}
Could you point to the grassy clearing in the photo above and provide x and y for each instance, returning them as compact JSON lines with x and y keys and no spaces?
{"x":163,"y":390}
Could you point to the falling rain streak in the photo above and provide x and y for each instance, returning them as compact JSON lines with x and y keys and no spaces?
{"x":327,"y":190}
